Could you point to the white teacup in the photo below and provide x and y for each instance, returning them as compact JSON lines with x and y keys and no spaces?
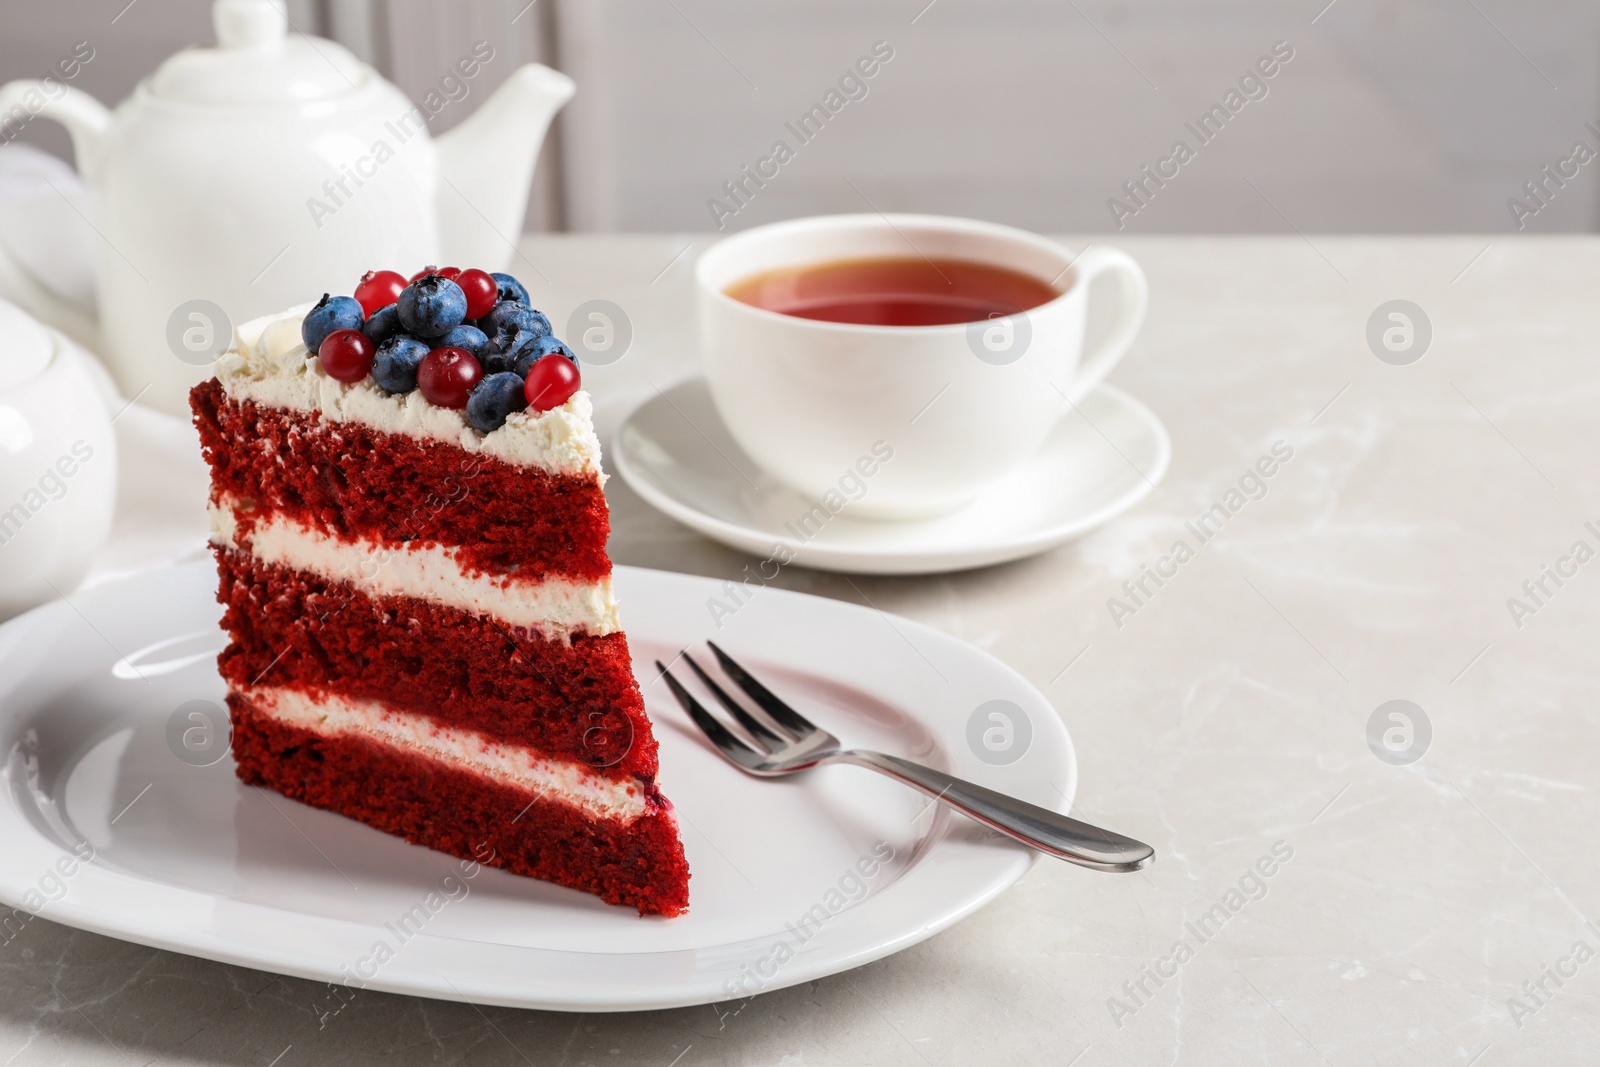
{"x":935,"y":413}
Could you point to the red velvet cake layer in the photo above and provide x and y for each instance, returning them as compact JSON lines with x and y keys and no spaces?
{"x":351,"y":481}
{"x":577,"y":702}
{"x":639,"y":863}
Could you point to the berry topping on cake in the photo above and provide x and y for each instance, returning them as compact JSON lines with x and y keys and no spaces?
{"x":447,"y":375}
{"x":444,"y":272}
{"x":509,"y":317}
{"x":494,"y":398}
{"x":331,"y":313}
{"x":378,"y":289}
{"x":432,"y":306}
{"x":511,"y":327}
{"x":383,"y":324}
{"x":551,"y":381}
{"x":466,"y":339}
{"x":510,"y":289}
{"x":537,"y":349}
{"x":464,"y":336}
{"x":395,"y":367}
{"x":482,"y":292}
{"x":494,"y":360}
{"x":346,"y":355}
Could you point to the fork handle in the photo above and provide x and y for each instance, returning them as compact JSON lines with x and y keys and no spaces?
{"x":1054,"y":834}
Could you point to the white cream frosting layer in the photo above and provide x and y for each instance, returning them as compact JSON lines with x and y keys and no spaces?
{"x":556,"y":607}
{"x":465,"y":750}
{"x":269,"y":364}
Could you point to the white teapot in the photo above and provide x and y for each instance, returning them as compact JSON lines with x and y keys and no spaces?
{"x":242,"y":179}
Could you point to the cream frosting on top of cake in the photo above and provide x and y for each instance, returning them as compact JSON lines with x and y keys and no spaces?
{"x":269,"y":365}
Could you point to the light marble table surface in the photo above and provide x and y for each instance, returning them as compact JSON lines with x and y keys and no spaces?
{"x":1430,"y":912}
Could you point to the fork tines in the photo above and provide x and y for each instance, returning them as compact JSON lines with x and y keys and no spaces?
{"x":774,"y":727}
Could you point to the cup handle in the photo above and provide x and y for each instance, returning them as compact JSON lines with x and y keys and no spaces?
{"x":1134,"y":294}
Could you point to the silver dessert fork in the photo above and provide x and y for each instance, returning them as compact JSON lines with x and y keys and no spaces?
{"x":790,"y":742}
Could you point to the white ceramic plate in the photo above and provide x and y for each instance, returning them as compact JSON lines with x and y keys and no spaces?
{"x":676,"y":452}
{"x":185,"y":858}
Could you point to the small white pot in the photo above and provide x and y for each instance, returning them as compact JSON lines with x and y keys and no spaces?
{"x":58,"y":464}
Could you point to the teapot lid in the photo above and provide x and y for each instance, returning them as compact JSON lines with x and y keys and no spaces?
{"x":257,"y":61}
{"x":25,"y":347}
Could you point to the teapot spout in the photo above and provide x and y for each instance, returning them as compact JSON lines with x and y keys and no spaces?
{"x":486,"y":166}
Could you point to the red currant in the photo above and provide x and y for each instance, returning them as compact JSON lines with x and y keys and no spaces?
{"x":551,"y":382}
{"x":482,"y":292}
{"x":378,"y":289}
{"x":346,"y":355}
{"x":444,"y":272}
{"x":447,"y":375}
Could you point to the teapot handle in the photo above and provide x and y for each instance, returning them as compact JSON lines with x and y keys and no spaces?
{"x":87,"y":120}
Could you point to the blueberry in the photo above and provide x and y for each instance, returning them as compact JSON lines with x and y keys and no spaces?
{"x":395,"y":367}
{"x":469,"y":337}
{"x":493,"y":360}
{"x":510,"y":288}
{"x":510,"y":327}
{"x":497,"y":396}
{"x":431,"y":306}
{"x":331,"y":313}
{"x":508,"y":316}
{"x":501,"y":352}
{"x":537,"y":349}
{"x":383,"y":324}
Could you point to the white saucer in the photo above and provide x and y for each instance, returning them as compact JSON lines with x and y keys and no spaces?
{"x":95,"y":709}
{"x":676,"y":452}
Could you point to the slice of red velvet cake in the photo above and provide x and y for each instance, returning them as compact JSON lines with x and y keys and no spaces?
{"x":415,"y":577}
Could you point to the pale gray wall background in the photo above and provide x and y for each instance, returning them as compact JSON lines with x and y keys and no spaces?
{"x":1422,"y":116}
